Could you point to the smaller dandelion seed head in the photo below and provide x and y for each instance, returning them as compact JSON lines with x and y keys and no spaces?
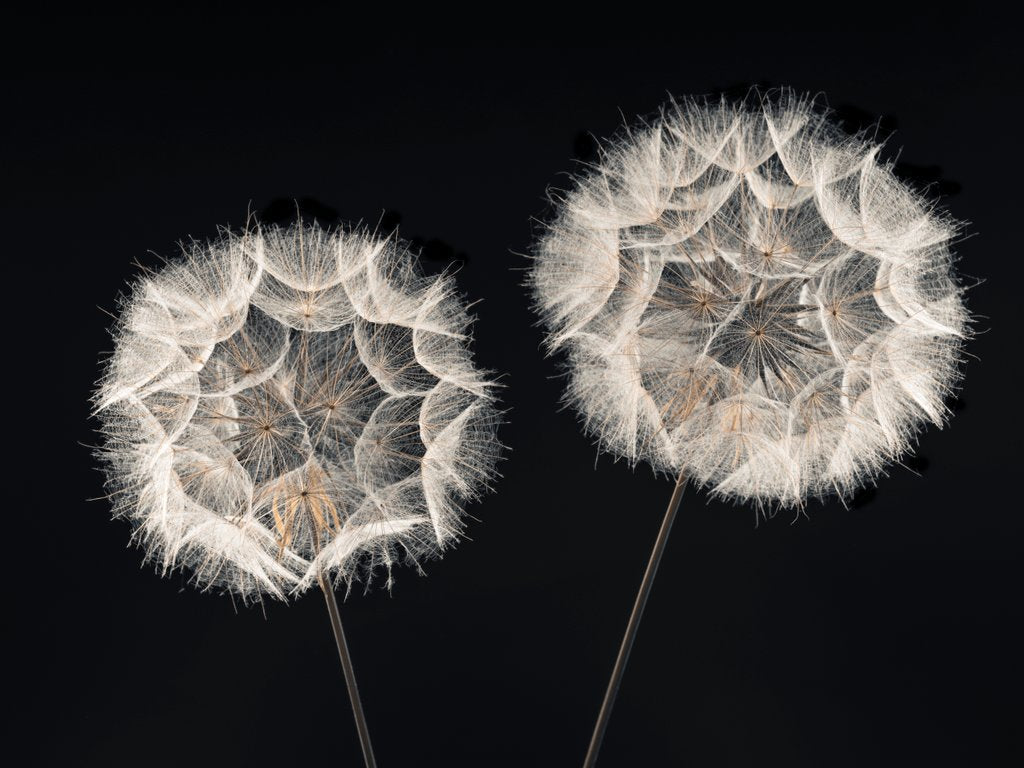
{"x":747,"y":296}
{"x":290,"y":402}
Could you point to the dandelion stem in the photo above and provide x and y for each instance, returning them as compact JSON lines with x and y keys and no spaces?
{"x":350,"y":674}
{"x":634,"y":623}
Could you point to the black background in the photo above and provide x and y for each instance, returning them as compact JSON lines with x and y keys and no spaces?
{"x":883,"y":634}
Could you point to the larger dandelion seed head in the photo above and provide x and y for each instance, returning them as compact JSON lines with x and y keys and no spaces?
{"x":290,"y":403}
{"x":749,"y":297}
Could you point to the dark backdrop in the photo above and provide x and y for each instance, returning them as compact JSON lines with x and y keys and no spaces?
{"x":883,"y":634}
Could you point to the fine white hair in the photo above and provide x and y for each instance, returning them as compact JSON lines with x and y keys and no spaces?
{"x":287,"y":403}
{"x":748,"y":297}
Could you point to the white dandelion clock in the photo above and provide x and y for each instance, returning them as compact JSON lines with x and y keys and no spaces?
{"x":749,"y":300}
{"x":292,"y":407}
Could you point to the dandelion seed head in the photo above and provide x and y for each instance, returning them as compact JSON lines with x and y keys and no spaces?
{"x":290,"y":402}
{"x":748,"y":296}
